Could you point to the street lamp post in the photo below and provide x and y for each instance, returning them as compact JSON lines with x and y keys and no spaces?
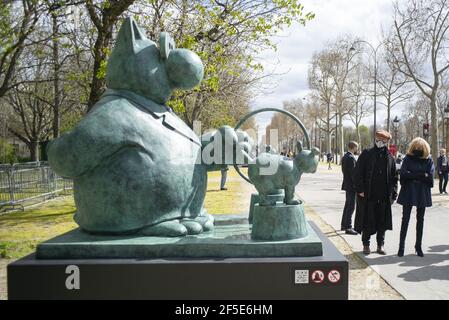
{"x":336,"y":137}
{"x":335,"y":143}
{"x":446,"y":116}
{"x":375,"y":79}
{"x":396,"y":127}
{"x":321,"y":141}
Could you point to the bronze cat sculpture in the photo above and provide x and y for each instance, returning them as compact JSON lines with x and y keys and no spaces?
{"x":273,"y":172}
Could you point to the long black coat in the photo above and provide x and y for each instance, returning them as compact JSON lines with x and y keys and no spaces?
{"x":348,"y":163}
{"x":363,"y":177}
{"x":415,"y":185}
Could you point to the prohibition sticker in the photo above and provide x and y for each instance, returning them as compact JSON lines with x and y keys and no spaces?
{"x":334,"y":276}
{"x":318,"y":276}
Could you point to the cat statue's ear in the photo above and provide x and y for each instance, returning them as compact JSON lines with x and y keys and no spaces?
{"x":128,"y":37}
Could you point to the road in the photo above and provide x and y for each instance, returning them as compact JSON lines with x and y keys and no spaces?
{"x":411,"y":276}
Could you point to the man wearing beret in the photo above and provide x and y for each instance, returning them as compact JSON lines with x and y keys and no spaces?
{"x":376,"y":184}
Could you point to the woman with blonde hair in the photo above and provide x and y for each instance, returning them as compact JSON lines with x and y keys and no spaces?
{"x":416,"y":181}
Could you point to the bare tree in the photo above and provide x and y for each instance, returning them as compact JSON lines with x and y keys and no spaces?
{"x":422,"y":34}
{"x":393,"y":84}
{"x":321,"y":81}
{"x":342,"y":58}
{"x":61,"y":51}
{"x":415,"y":116}
{"x":317,"y":112}
{"x":358,"y":90}
{"x":442,"y":103}
{"x":31,"y":120}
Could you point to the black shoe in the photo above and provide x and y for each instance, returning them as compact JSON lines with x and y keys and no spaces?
{"x":366,"y":250}
{"x":223,"y":188}
{"x":444,"y":192}
{"x":351,"y":232}
{"x":418,"y":251}
{"x":381,"y":250}
{"x":401,"y":252}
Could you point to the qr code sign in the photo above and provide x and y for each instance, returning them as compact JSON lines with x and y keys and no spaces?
{"x":301,"y":276}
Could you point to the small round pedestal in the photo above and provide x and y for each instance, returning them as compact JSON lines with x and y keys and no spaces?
{"x":278,"y":197}
{"x":280,"y":222}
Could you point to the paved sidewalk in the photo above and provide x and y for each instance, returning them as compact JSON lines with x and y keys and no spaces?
{"x":412,"y":276}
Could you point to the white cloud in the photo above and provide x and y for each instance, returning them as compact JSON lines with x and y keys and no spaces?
{"x":297,"y":44}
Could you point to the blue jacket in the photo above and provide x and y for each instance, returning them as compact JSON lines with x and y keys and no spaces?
{"x":415,"y":185}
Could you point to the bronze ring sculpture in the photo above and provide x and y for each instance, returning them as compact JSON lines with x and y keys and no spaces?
{"x":289,"y":114}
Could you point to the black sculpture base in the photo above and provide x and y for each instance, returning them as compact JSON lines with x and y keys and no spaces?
{"x":183,"y":279}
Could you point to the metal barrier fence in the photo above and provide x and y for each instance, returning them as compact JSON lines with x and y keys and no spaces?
{"x":25,"y":183}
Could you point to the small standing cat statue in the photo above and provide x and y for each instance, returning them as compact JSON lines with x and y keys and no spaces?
{"x":271,"y":174}
{"x":285,"y":176}
{"x":135,"y":164}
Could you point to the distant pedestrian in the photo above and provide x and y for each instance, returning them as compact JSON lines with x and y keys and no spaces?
{"x":443,"y":171}
{"x":348,"y":163}
{"x":398,"y":162}
{"x":329,"y":160}
{"x":376,"y":185}
{"x":416,"y":181}
{"x":224,"y":175}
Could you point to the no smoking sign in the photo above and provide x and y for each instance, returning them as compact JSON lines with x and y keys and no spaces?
{"x":334,"y":276}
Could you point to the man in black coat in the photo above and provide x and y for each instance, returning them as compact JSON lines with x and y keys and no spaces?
{"x":348,"y":163}
{"x":376,"y":184}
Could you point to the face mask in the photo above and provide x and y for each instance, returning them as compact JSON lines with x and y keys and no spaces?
{"x":418,"y":153}
{"x":380,"y":144}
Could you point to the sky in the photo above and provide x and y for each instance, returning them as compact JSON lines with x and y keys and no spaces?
{"x":297,"y":44}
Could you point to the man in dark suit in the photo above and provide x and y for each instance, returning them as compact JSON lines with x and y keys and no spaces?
{"x":348,"y":167}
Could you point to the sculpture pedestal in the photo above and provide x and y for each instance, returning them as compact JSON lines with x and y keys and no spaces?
{"x":226,"y":241}
{"x":279,"y":222}
{"x":255,"y":200}
{"x":182,"y":278}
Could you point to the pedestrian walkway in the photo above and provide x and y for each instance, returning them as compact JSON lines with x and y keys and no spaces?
{"x":411,"y":276}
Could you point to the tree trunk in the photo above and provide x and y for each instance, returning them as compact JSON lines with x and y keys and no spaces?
{"x":434,"y":126}
{"x":33,"y":146}
{"x":388,"y":114}
{"x":98,"y":83}
{"x":328,"y":146}
{"x":56,"y":82}
{"x":359,"y":139}
{"x":342,"y":136}
{"x":104,"y":24}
